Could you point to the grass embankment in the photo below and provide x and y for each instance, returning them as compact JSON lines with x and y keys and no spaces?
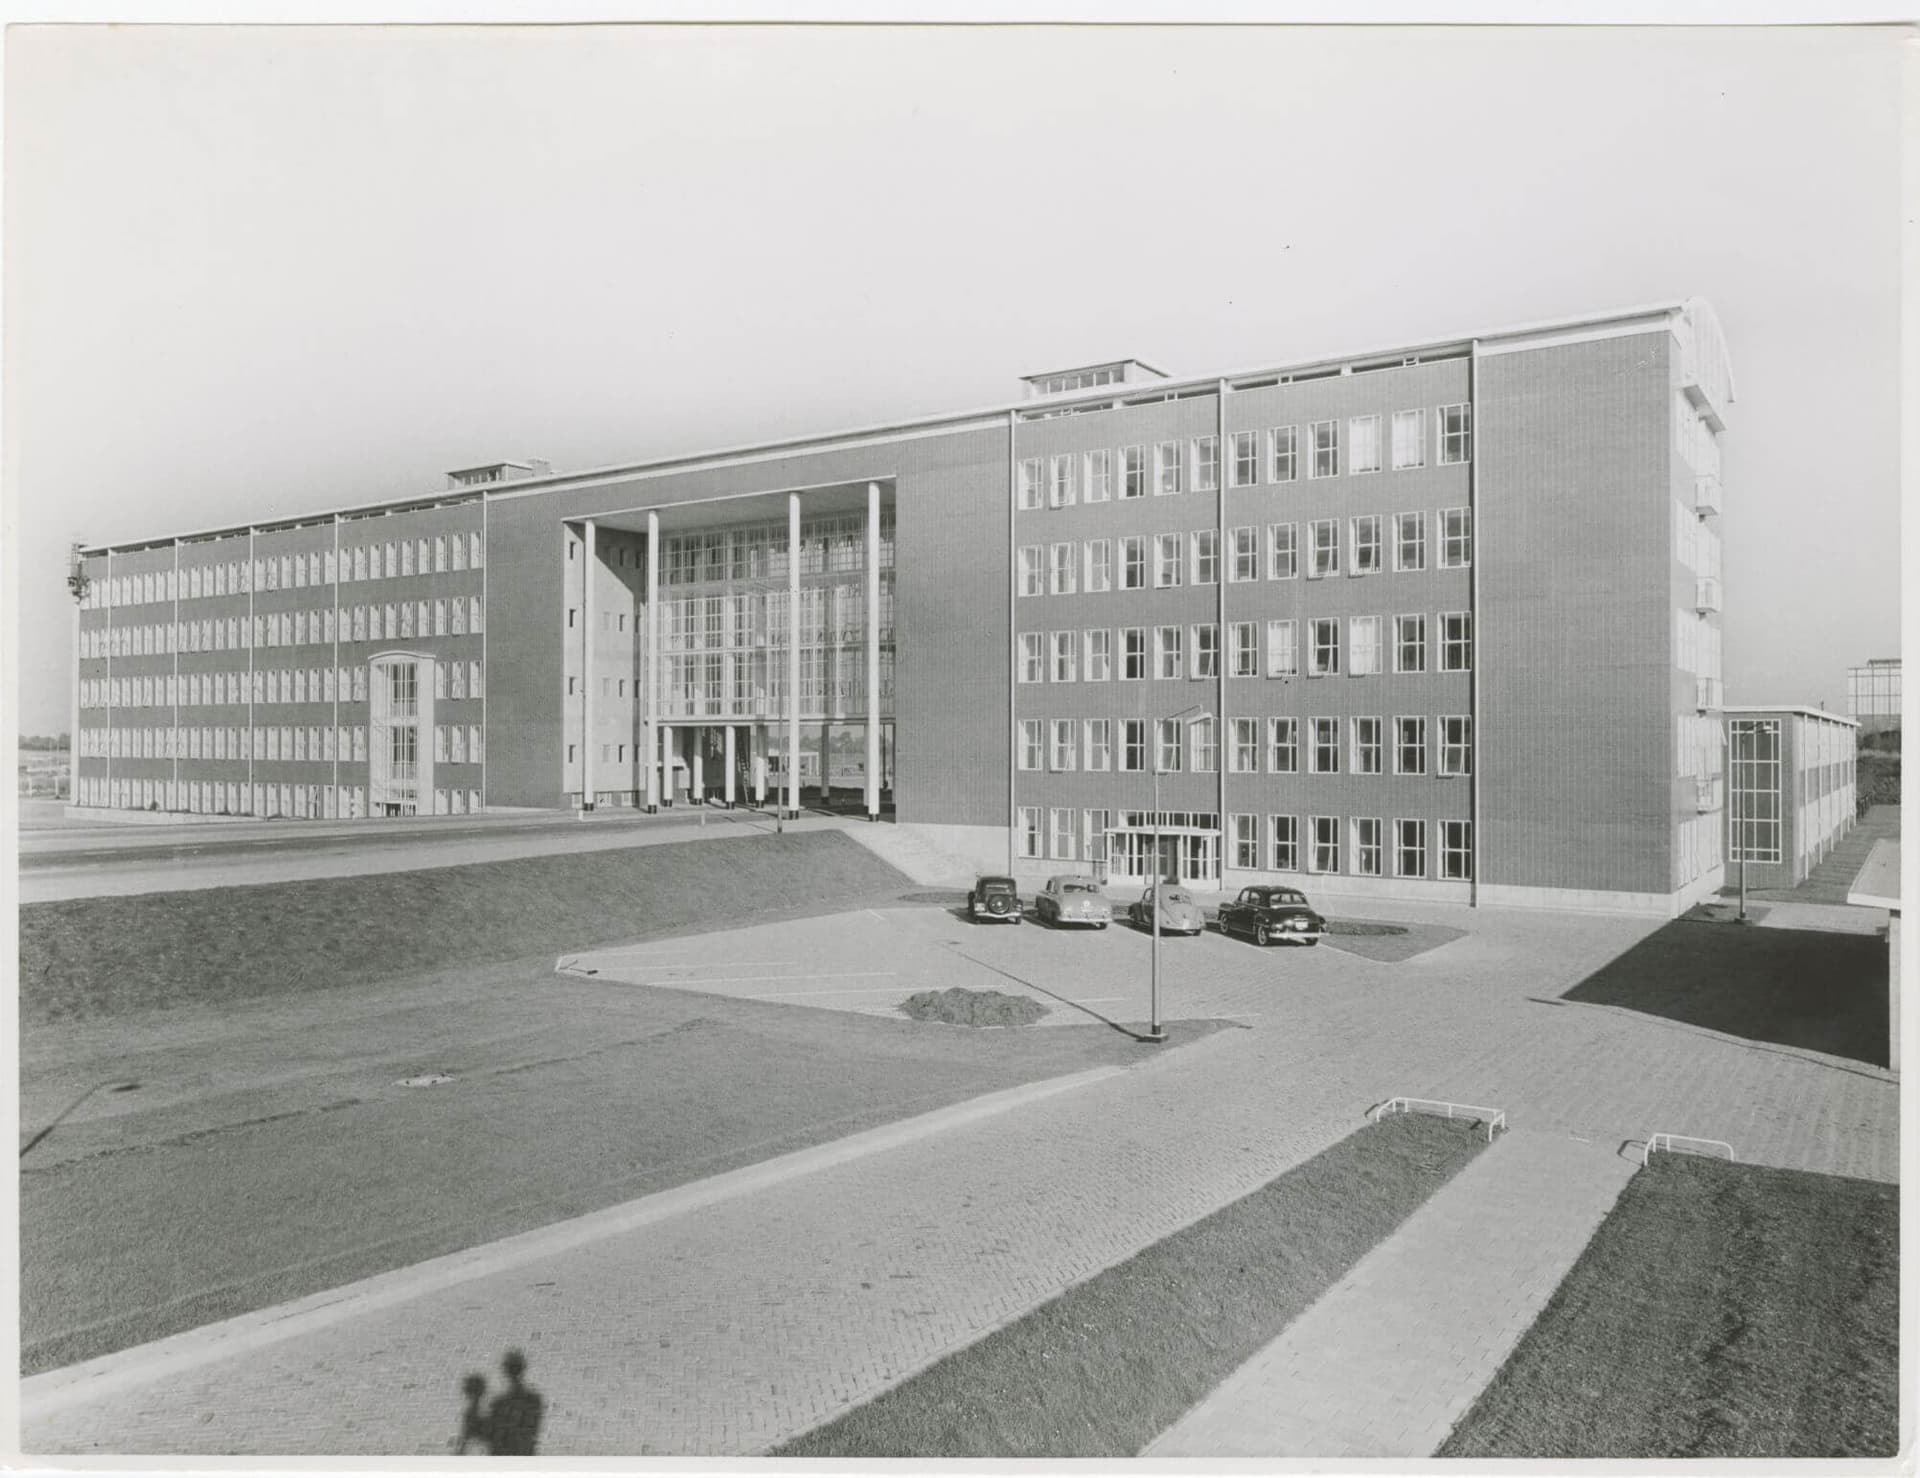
{"x":101,"y":956}
{"x":1721,"y":1311}
{"x":1111,"y":1363}
{"x":1876,"y":779}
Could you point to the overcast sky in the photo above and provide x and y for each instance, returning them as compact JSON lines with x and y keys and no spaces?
{"x":253,"y":272}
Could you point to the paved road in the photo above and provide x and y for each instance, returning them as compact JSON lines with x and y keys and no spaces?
{"x":730,"y":1330}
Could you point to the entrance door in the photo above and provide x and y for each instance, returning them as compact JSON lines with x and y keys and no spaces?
{"x":1199,"y":860}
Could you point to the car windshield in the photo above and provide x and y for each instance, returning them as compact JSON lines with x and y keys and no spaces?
{"x":1176,"y":895}
{"x":1273,"y":896}
{"x":1078,"y":888}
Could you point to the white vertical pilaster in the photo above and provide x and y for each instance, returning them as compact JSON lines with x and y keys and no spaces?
{"x":587,"y":674}
{"x":651,"y":677}
{"x":697,"y":766}
{"x":757,"y":758}
{"x":173,"y":645}
{"x":793,"y":656}
{"x":873,"y":651}
{"x":729,"y":762}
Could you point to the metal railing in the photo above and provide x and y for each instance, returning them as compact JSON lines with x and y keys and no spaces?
{"x":1668,"y":1142}
{"x":1493,"y":1118}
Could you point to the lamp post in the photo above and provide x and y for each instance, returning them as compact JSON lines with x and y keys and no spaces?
{"x":1154,"y":1032}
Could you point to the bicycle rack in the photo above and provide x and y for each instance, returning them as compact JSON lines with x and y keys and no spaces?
{"x":1668,"y":1142}
{"x":1493,"y":1118}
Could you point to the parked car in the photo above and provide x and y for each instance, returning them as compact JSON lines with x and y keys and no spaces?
{"x":1266,"y":914}
{"x":1072,"y":900}
{"x":1179,"y":914}
{"x":996,"y":899}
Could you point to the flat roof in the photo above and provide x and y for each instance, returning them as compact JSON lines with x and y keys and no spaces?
{"x":1795,"y":708}
{"x":951,"y":420}
{"x":1878,"y":884}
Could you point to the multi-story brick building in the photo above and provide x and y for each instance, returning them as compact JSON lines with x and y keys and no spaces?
{"x":1440,"y":618}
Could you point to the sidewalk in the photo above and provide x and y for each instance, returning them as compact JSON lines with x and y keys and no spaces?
{"x":1393,"y":1355}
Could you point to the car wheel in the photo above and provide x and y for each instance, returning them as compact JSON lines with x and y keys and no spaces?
{"x":1260,"y":935}
{"x":1310,"y":943}
{"x":1103,"y":924}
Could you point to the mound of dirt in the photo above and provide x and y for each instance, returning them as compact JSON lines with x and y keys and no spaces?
{"x":1359,"y":929}
{"x":960,"y":1007}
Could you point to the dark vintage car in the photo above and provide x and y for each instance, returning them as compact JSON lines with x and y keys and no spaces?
{"x":1266,"y":914}
{"x":996,"y":899}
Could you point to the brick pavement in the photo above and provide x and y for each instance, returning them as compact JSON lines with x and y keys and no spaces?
{"x":730,"y":1330}
{"x":1392,"y":1356}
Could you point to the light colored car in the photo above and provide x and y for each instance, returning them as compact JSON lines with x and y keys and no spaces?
{"x":1179,"y":914}
{"x":1072,"y":900}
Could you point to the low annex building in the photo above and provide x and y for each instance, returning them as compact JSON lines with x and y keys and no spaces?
{"x":1438,"y":619}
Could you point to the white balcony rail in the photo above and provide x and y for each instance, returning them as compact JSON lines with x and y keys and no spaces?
{"x":1671,"y":1144}
{"x":1493,"y":1118}
{"x":1707,"y":693}
{"x":1706,"y":595}
{"x":1707,"y":793}
{"x":1706,"y":493}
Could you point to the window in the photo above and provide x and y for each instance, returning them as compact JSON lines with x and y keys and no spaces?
{"x":1245,"y":548}
{"x":1065,"y":656}
{"x":1166,"y":754}
{"x":1133,"y":562}
{"x":1326,"y":746}
{"x":1167,"y":467}
{"x":1133,"y":744}
{"x":1364,"y":533}
{"x":1061,"y":487}
{"x":1030,"y":483}
{"x":1206,"y":746}
{"x":1409,"y":643}
{"x":1099,"y":654}
{"x":1244,"y":757}
{"x":1031,"y":741}
{"x":1063,"y":756}
{"x":1410,"y":849}
{"x":1367,"y":747}
{"x":1133,"y":472}
{"x":1755,"y":805}
{"x":1409,"y":439}
{"x":1031,"y":578}
{"x":1246,"y":459}
{"x":1364,"y":638}
{"x":1283,"y":746}
{"x":1409,"y":541}
{"x":1456,"y":641}
{"x":1326,"y":449}
{"x":1205,"y":548}
{"x":1029,"y":831}
{"x":1410,"y":746}
{"x":1326,"y":844}
{"x":1283,"y":551}
{"x":1133,"y":654}
{"x":1323,"y":655}
{"x":1206,"y":463}
{"x":1168,"y":561}
{"x":1456,"y":745}
{"x":1099,"y":480}
{"x":1099,"y":565}
{"x":1363,"y":444}
{"x":1285,"y":831}
{"x":1061,"y":569}
{"x":1456,"y":850}
{"x":1062,"y":827}
{"x":1324,"y":534}
{"x":1244,"y":834}
{"x":1456,"y":538}
{"x":1243,"y":641}
{"x":1099,"y":744}
{"x":1167,"y":652}
{"x":1367,"y":846}
{"x":1096,"y":823}
{"x":1283,"y":657}
{"x":1456,"y":434}
{"x":1206,"y":651}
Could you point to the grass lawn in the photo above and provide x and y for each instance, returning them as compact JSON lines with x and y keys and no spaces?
{"x":1792,"y":987}
{"x":92,"y":956}
{"x":1721,"y":1311}
{"x":1111,"y":1363}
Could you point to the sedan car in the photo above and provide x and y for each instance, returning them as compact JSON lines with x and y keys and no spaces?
{"x":1266,"y":914}
{"x":1179,"y":914}
{"x":996,"y":899}
{"x":1072,"y":900}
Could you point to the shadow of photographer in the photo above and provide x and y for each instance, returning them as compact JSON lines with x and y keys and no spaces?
{"x":509,"y":1426}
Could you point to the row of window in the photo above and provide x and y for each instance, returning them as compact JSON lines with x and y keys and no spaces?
{"x":458,"y":744}
{"x":237,"y":798}
{"x":1168,"y":561}
{"x":1276,"y":455}
{"x":828,"y":613}
{"x":390,"y":559}
{"x":263,"y":685}
{"x":1273,"y":746}
{"x":833,"y":545}
{"x":1360,"y":846}
{"x":393,"y":621}
{"x":1193,"y":651}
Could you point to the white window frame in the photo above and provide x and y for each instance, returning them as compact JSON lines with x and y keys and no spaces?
{"x":1097,"y":655}
{"x":1062,"y":833}
{"x":1367,"y":744}
{"x":1456,"y":538}
{"x":1029,"y":484}
{"x":1243,"y":649}
{"x":1323,"y":549}
{"x":1456,"y":851}
{"x":1417,"y":522}
{"x":1400,"y":643}
{"x":1455,"y":444}
{"x":1169,"y":654}
{"x":1323,"y":734}
{"x":1169,"y":561}
{"x":1062,"y":480}
{"x":1033,"y":744}
{"x":1244,"y":471}
{"x":1243,"y":554}
{"x":1203,"y":650}
{"x":1401,"y":745}
{"x":1136,"y":473}
{"x":1028,"y":826}
{"x":1456,"y":744}
{"x":1456,"y":651}
{"x":1169,"y":459}
{"x":1062,"y":567}
{"x":1364,"y":538}
{"x":1203,"y":554}
{"x":1323,"y":847}
{"x":1031,"y":568}
{"x":1283,"y":651}
{"x":1283,"y":745}
{"x":1283,"y":551}
{"x":1063,"y":747}
{"x":1402,"y":846}
{"x":1063,"y":665}
{"x":1323,"y":646}
{"x":1098,"y":555}
{"x":1098,"y":479}
{"x":1283,"y":454}
{"x":1363,"y":431}
{"x":1283,"y":843}
{"x":1363,"y":647}
{"x":1099,"y":743}
{"x":1205,"y":465}
{"x":1323,"y":449}
{"x":1362,"y":847}
{"x":1033,"y":657}
{"x":1133,"y":558}
{"x":1243,"y":751}
{"x":1409,"y":436}
{"x":1133,"y":643}
{"x":1243,"y":838}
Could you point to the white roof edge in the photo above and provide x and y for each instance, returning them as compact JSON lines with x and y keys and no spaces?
{"x":1825,"y":713}
{"x":949,"y":420}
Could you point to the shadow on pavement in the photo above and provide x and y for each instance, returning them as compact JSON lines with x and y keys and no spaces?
{"x":509,"y":1425}
{"x":1819,"y":991}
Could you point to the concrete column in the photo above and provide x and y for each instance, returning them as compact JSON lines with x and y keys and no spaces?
{"x":651,"y":676}
{"x":730,"y":765}
{"x":587,"y":675}
{"x":873,"y":651}
{"x":697,"y":766}
{"x":757,"y":752}
{"x":793,"y":654}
